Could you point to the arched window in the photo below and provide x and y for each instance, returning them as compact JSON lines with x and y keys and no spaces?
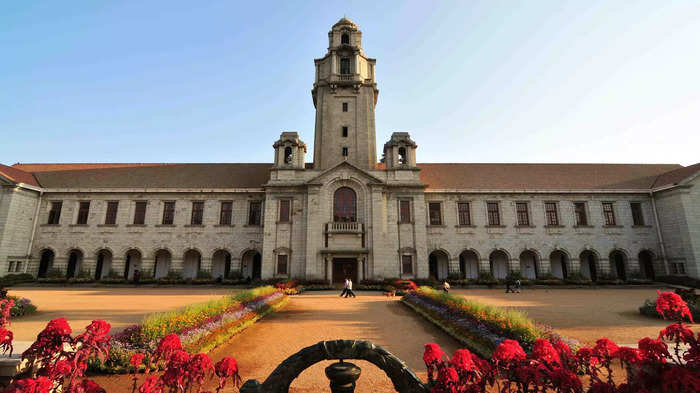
{"x":344,"y":205}
{"x":287,"y":155}
{"x":403,"y":159}
{"x":345,"y":39}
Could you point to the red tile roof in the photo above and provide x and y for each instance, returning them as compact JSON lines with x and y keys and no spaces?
{"x":17,"y":175}
{"x":530,"y":177}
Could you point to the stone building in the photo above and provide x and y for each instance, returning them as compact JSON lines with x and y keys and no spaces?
{"x":344,"y":213}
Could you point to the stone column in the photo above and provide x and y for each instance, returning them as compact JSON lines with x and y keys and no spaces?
{"x":574,"y":266}
{"x":545,"y":266}
{"x":176,"y":264}
{"x":205,"y":265}
{"x":118,"y":265}
{"x":484,"y":266}
{"x":87,"y":264}
{"x":514,"y":265}
{"x":360,"y":276}
{"x":147,"y":265}
{"x":605,"y":268}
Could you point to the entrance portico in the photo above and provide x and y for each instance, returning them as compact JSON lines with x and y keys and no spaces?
{"x":342,"y":265}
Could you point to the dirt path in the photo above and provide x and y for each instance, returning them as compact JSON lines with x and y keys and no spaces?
{"x":318,"y":316}
{"x":120,"y":307}
{"x":583,"y":314}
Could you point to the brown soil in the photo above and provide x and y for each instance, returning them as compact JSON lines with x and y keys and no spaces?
{"x":582,"y":314}
{"x":120,"y":307}
{"x":318,"y":316}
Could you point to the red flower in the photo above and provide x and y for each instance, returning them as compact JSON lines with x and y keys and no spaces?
{"x":671,"y":306}
{"x":433,"y":354}
{"x":605,"y":349}
{"x":87,"y":386}
{"x":508,"y":351}
{"x":566,"y":380}
{"x":6,"y":337}
{"x":447,"y":376}
{"x":151,"y":385}
{"x":680,"y":379}
{"x":677,"y":332}
{"x":29,"y":385}
{"x":62,"y":368}
{"x":167,"y":346}
{"x":563,"y":349}
{"x":654,"y":350}
{"x":136,"y":360}
{"x":629,"y":355}
{"x":601,"y":387}
{"x":462,"y":361}
{"x":198,"y":367}
{"x":543,"y":351}
{"x":58,"y":326}
{"x":585,"y":356}
{"x":225,"y":368}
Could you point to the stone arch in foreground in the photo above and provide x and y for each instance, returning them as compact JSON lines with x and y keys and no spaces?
{"x":279,"y":381}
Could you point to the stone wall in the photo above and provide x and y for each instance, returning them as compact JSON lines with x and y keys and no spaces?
{"x":17,"y":209}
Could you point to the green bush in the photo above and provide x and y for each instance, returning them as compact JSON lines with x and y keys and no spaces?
{"x":203,"y":274}
{"x":13,"y":279}
{"x":486,"y":278}
{"x":113,"y":274}
{"x":55,"y":272}
{"x":22,"y":306}
{"x":84,"y":274}
{"x":649,"y":309}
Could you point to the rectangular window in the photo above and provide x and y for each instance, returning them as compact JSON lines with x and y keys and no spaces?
{"x":521,"y":210}
{"x":407,"y":264}
{"x":197,"y":213}
{"x":345,"y":106}
{"x":11,"y":266}
{"x":83,"y":211}
{"x":404,"y":211}
{"x":18,"y":266}
{"x":637,"y":215}
{"x":608,"y":213}
{"x":55,"y":212}
{"x":140,"y":213}
{"x":494,"y":217}
{"x":580,"y":213}
{"x":345,"y":152}
{"x":111,"y":216}
{"x":550,"y":211}
{"x":345,"y":66}
{"x":284,"y":210}
{"x":464,"y":214}
{"x":345,"y":132}
{"x":226,"y":213}
{"x":255,"y":213}
{"x":435,"y":213}
{"x":282,"y":264}
{"x":168,"y":212}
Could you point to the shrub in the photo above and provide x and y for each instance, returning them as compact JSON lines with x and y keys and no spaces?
{"x":55,"y":272}
{"x":84,"y":274}
{"x":486,"y":278}
{"x":113,"y":274}
{"x":680,"y":280}
{"x":22,"y":306}
{"x":203,"y":274}
{"x":13,"y":279}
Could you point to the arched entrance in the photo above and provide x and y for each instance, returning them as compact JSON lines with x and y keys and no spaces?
{"x":438,"y":265}
{"x":498,"y":261}
{"x":132,"y":263}
{"x":589,"y":265}
{"x":559,"y":261}
{"x":646,"y":263}
{"x":528,"y":264}
{"x":45,"y":263}
{"x":469,"y":265}
{"x":618,"y":264}
{"x":162,"y":263}
{"x":104,"y":264}
{"x":251,"y":265}
{"x":192,"y":262}
{"x":221,"y":264}
{"x":75,"y":259}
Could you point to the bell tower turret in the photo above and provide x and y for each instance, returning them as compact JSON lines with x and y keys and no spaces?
{"x":289,"y":151}
{"x":400,"y":151}
{"x":345,"y":95}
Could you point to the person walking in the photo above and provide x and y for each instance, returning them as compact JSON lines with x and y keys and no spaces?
{"x":508,"y":284}
{"x":345,"y":289}
{"x":446,"y":286}
{"x":517,"y":285}
{"x":349,"y":291}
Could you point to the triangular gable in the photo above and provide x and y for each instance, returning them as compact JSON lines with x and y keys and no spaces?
{"x":371,"y":178}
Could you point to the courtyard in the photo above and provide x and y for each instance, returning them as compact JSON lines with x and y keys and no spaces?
{"x":581,"y":314}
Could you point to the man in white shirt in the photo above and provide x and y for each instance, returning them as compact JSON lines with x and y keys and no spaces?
{"x":348,"y":289}
{"x":345,"y":289}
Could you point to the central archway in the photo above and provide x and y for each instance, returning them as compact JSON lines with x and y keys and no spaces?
{"x":104,"y":264}
{"x":618,"y":264}
{"x":528,"y":264}
{"x":251,"y":265}
{"x":498,"y":261}
{"x":192,"y":262}
{"x":559,"y":262}
{"x":75,"y":261}
{"x":469,"y":264}
{"x":646,"y":263}
{"x":45,"y":263}
{"x":589,"y":265}
{"x":221,"y":264}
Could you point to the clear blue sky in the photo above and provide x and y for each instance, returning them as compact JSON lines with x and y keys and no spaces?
{"x":489,"y":81}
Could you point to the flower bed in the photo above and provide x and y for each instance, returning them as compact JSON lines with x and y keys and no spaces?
{"x":480,"y":327}
{"x":651,"y":309}
{"x":22,"y":306}
{"x":199,"y":327}
{"x":555,"y":367}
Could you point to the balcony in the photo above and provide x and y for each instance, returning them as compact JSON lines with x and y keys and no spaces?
{"x":346,"y":79}
{"x":344,"y":227}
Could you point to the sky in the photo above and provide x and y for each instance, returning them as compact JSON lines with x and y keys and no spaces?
{"x":472,"y":81}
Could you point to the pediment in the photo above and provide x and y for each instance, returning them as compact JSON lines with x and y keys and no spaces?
{"x":345,"y":170}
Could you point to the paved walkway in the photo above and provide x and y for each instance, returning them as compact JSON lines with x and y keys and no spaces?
{"x":317,"y":316}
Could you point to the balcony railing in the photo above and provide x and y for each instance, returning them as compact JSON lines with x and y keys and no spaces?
{"x":344,"y":227}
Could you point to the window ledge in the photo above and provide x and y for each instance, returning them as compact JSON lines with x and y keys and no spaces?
{"x":494,"y":226}
{"x":524,"y":226}
{"x":107,"y":225}
{"x":641,"y":226}
{"x":78,"y":225}
{"x":224,"y":226}
{"x":583,"y":226}
{"x":612,"y":226}
{"x":50,"y":225}
{"x":436,"y":226}
{"x":252,"y":226}
{"x":554,"y":226}
{"x":165,"y":225}
{"x":135,"y":225}
{"x":193,"y":226}
{"x":465,"y":226}
{"x":406,"y":222}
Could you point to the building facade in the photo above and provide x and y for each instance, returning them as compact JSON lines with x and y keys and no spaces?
{"x":346,"y":215}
